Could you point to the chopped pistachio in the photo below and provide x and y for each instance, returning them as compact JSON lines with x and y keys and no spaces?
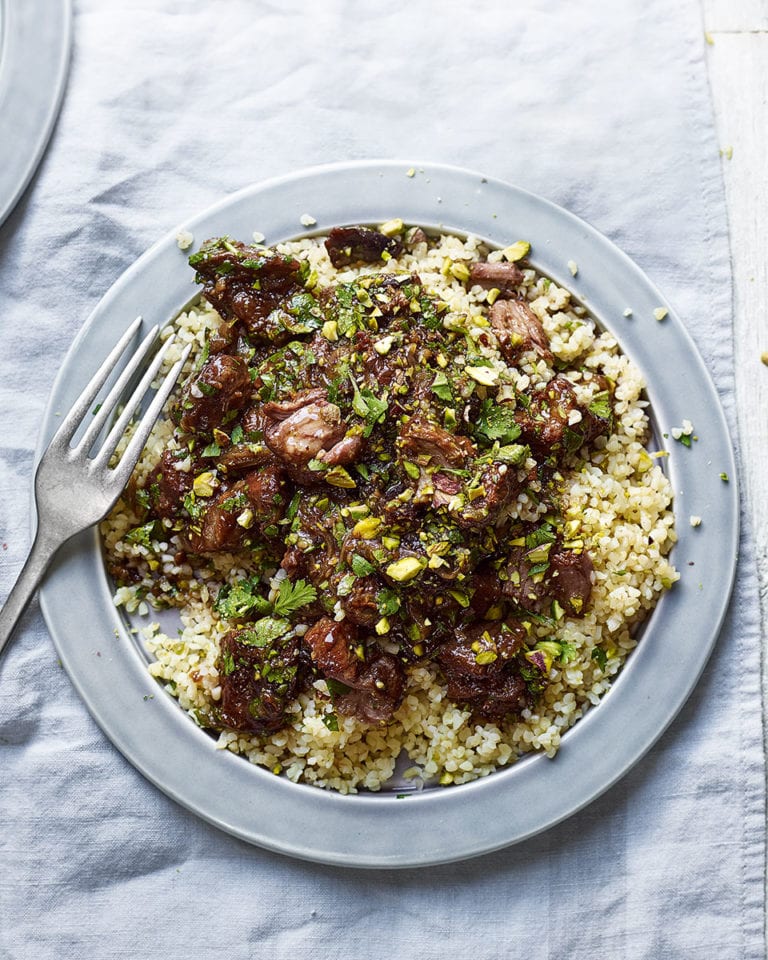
{"x":339,"y":477}
{"x":492,"y":296}
{"x":204,"y":484}
{"x":488,"y":376}
{"x":539,"y":554}
{"x":660,"y":313}
{"x":330,"y":330}
{"x":724,"y":477}
{"x":487,"y":656}
{"x":382,"y":627}
{"x":460,"y":271}
{"x":392,"y":227}
{"x":406,"y":568}
{"x":764,"y":357}
{"x":410,"y":172}
{"x":366,"y":529}
{"x":245,"y":519}
{"x":709,"y":38}
{"x":517,"y":251}
{"x":391,"y":543}
{"x":384,"y":345}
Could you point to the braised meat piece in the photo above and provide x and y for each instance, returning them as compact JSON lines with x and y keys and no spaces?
{"x":376,"y":679}
{"x":214,"y":394}
{"x":242,"y":457}
{"x":566,"y":578}
{"x":481,"y":668}
{"x":360,"y":604}
{"x":259,"y":678}
{"x":240,"y":512}
{"x":166,"y":486}
{"x":248,"y":284}
{"x":428,"y":445}
{"x":312,"y":551}
{"x":496,"y":486}
{"x":503,"y":276}
{"x":554,"y":423}
{"x":306,"y":428}
{"x":518,"y":330}
{"x":347,"y":245}
{"x":571,"y":579}
{"x":417,"y":235}
{"x":484,"y":588}
{"x":377,"y":692}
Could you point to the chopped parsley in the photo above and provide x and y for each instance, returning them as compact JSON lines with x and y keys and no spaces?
{"x":293,"y":596}
{"x":497,"y":422}
{"x":600,"y":656}
{"x":601,"y":405}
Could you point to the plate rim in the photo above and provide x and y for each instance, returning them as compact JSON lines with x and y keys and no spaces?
{"x":478,"y":845}
{"x":50,"y":51}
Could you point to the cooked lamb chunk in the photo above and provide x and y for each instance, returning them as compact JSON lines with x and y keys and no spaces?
{"x":480,"y":668}
{"x":166,"y":486}
{"x":258,"y":681}
{"x":242,"y":510}
{"x":360,"y":604}
{"x":503,"y":276}
{"x":376,"y":682}
{"x":315,"y":554}
{"x":221,"y":386}
{"x":417,"y":235}
{"x":567,"y":579}
{"x":518,"y":330}
{"x":429,"y":445}
{"x":499,"y":484}
{"x":555,"y":423}
{"x":378,"y":691}
{"x":307,"y":428}
{"x":242,"y":457}
{"x":347,"y":245}
{"x":570,"y":579}
{"x":248,"y":284}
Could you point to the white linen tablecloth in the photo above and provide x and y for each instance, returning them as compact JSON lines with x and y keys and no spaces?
{"x":603,"y":108}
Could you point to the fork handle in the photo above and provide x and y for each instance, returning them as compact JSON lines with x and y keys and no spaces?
{"x":41,"y":554}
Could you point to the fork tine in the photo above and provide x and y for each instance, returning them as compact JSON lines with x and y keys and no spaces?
{"x":136,"y":444}
{"x":113,"y":397}
{"x":113,"y":437}
{"x":71,"y":422}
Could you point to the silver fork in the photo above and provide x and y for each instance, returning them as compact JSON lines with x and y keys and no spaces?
{"x":74,"y":491}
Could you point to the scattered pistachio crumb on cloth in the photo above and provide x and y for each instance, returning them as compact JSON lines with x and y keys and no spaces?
{"x":660,"y":313}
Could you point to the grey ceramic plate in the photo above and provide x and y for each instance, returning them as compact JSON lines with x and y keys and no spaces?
{"x":35,"y":37}
{"x":437,"y":825}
